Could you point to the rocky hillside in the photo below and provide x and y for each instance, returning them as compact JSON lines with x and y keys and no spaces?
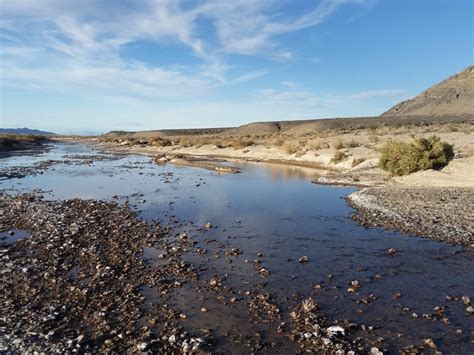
{"x":453,"y":96}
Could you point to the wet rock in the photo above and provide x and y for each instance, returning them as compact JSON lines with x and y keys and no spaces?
{"x":429,"y":343}
{"x":375,"y":351}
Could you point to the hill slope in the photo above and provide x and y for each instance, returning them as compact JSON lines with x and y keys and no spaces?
{"x":453,"y":96}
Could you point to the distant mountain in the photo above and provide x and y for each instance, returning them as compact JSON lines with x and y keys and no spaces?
{"x":26,"y":131}
{"x":451,"y":97}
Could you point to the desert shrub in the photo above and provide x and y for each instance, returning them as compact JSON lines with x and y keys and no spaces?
{"x":402,"y":158}
{"x":338,"y":157}
{"x":241,"y":142}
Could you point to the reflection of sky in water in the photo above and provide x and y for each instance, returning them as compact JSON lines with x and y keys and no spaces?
{"x":284,"y":216}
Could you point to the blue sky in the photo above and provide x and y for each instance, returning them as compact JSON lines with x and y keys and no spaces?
{"x":96,"y":65}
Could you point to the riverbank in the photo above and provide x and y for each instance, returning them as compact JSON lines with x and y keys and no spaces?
{"x":357,"y":165}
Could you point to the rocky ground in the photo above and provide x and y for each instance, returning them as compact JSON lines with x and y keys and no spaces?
{"x":440,"y":213}
{"x":72,"y":280}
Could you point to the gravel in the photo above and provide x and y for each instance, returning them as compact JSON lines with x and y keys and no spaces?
{"x":444,"y":214}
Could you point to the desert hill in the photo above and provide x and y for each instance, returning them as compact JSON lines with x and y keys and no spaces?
{"x":450,"y":101}
{"x":26,"y":131}
{"x":453,"y":96}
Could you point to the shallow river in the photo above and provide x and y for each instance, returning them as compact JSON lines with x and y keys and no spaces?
{"x":274,"y":214}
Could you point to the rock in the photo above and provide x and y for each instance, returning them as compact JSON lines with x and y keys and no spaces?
{"x":208,"y":225}
{"x":142,"y":346}
{"x":429,"y":343}
{"x":203,"y":309}
{"x":391,"y":251}
{"x":375,"y":351}
{"x":303,"y":259}
{"x":335,"y":330}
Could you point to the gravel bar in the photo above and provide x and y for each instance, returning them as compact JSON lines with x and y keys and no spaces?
{"x":444,"y":214}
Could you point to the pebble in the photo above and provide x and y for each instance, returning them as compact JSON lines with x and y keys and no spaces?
{"x":303,"y":259}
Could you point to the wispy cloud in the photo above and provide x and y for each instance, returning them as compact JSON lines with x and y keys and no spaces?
{"x":374,"y":94}
{"x":77,"y":45}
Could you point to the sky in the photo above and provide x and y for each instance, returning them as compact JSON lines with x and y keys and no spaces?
{"x":86,"y":66}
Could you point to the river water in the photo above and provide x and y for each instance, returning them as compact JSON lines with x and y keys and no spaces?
{"x":273,"y":213}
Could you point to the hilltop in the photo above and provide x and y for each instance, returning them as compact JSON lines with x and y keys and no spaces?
{"x":453,"y":96}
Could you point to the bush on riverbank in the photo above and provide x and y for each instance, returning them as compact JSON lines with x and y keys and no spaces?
{"x":402,"y":158}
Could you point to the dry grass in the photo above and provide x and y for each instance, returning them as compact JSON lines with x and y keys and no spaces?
{"x":317,"y":145}
{"x":358,"y":161}
{"x":338,"y":157}
{"x":339,"y":144}
{"x":291,"y":148}
{"x":241,"y":142}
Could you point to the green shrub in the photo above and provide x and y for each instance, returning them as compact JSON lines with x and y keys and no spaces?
{"x":402,"y":158}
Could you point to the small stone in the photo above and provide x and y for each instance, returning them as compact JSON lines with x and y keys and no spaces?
{"x":208,"y":225}
{"x":303,"y":259}
{"x":375,"y":351}
{"x":183,"y":316}
{"x":335,"y":329}
{"x":466,"y":300}
{"x":142,"y":346}
{"x":391,"y":251}
{"x":203,"y":309}
{"x":429,"y":343}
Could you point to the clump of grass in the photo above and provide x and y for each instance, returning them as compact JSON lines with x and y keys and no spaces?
{"x":161,"y":142}
{"x":338,"y":157}
{"x":352,"y":144}
{"x":317,"y":145}
{"x":291,"y":148}
{"x":358,"y":161}
{"x":185,"y":142}
{"x":373,"y":138}
{"x":402,"y":158}
{"x":339,"y":144}
{"x":274,"y":141}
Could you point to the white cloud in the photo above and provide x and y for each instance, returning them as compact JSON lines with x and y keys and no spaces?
{"x":76,"y":48}
{"x":373,"y":94}
{"x":71,"y":37}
